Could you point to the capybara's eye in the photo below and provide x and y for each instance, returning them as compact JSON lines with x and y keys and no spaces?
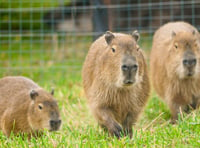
{"x":176,"y":46}
{"x":40,"y":106}
{"x":113,"y":49}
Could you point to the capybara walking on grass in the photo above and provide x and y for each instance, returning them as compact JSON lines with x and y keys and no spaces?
{"x":175,"y":67}
{"x":116,"y":82}
{"x":26,"y":108}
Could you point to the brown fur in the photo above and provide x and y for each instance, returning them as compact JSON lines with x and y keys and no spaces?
{"x":114,"y":105}
{"x":167,"y":72}
{"x":19,"y":112}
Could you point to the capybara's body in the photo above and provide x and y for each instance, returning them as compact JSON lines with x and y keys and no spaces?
{"x":115,"y":81}
{"x":25,"y":107}
{"x":175,"y":69}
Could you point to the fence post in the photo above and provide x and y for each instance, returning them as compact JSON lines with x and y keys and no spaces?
{"x":99,"y":18}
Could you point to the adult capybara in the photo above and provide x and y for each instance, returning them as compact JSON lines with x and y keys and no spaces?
{"x":26,"y":108}
{"x":175,"y":68}
{"x":115,"y":81}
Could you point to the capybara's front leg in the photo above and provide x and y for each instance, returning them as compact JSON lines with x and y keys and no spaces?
{"x":7,"y":123}
{"x":175,"y":110}
{"x":193,"y":105}
{"x":106,"y":119}
{"x":195,"y":102}
{"x":128,"y":123}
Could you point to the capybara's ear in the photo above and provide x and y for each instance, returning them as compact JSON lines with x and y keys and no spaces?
{"x":136,"y":35}
{"x":109,"y":36}
{"x":173,"y":34}
{"x":52,"y":91}
{"x":193,"y":32}
{"x":33,"y":94}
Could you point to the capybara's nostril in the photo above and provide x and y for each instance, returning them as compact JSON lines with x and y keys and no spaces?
{"x":189,"y":62}
{"x":52,"y":123}
{"x":135,"y":67}
{"x":185,"y":62}
{"x":131,"y":67}
{"x":124,"y":67}
{"x":193,"y":62}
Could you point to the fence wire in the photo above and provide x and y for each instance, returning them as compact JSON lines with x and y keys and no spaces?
{"x":57,"y":34}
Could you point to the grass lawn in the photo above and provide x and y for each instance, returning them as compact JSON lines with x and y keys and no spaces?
{"x":50,"y":69}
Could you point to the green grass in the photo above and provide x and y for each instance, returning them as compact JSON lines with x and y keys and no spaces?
{"x":79,"y":128}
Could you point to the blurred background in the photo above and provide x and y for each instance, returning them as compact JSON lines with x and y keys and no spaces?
{"x":49,"y":39}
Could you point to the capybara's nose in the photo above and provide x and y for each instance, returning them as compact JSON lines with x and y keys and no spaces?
{"x":133,"y":67}
{"x":189,"y":62}
{"x":55,"y":124}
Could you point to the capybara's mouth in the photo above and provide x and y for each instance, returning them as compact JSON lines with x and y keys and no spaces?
{"x":54,"y":129}
{"x":190,"y":74}
{"x":128,"y":84}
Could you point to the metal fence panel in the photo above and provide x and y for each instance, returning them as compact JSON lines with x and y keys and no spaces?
{"x":57,"y":34}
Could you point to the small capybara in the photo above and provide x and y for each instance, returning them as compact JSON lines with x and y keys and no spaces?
{"x":175,"y":69}
{"x":116,"y":82}
{"x":26,"y":108}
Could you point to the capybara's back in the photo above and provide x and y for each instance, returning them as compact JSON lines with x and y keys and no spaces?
{"x":25,"y":107}
{"x":175,"y":65}
{"x":10,"y":86}
{"x":115,"y":81}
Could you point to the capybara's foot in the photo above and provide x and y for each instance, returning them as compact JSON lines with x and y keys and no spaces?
{"x":173,"y":121}
{"x":128,"y":132}
{"x":116,"y":131}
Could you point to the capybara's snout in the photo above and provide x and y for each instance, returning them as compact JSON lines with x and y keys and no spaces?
{"x":55,"y":121}
{"x":55,"y":124}
{"x":129,"y":69}
{"x":189,"y":62}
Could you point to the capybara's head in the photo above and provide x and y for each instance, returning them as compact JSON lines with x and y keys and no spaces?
{"x":184,"y":55}
{"x":43,"y":111}
{"x":123,"y":54}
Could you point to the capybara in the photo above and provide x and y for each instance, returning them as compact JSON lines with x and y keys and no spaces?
{"x":116,"y":82}
{"x":26,"y":108}
{"x":175,"y":69}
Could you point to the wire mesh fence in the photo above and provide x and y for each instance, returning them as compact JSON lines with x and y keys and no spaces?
{"x":49,"y":34}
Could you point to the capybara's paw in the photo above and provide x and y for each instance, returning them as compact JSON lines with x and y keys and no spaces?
{"x":117,"y":130}
{"x":193,"y":105}
{"x":173,"y":121}
{"x":128,"y":132}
